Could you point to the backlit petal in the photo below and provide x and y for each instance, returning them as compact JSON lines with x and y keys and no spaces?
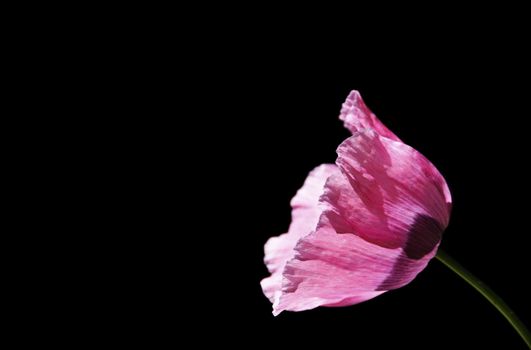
{"x":305,"y":215}
{"x":372,"y":227}
{"x":357,"y":116}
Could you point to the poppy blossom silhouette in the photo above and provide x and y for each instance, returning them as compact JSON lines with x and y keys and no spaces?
{"x":366,"y":225}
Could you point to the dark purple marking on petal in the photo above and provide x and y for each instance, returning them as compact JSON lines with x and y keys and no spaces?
{"x":423,"y":237}
{"x":403,"y":267}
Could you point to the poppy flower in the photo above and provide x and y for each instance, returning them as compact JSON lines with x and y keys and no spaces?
{"x":363,"y":226}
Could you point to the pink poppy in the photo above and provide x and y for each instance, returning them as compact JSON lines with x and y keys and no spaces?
{"x":366,"y":225}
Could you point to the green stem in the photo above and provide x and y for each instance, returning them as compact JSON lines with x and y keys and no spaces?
{"x":488,"y":293}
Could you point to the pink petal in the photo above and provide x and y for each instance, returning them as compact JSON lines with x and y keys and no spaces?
{"x":331,"y":269}
{"x":382,"y":224}
{"x":376,"y":225}
{"x":305,"y":215}
{"x":400,"y":197}
{"x":357,"y":116}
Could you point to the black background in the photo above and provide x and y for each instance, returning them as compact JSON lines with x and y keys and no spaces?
{"x":266,"y":128}
{"x":195,"y":136}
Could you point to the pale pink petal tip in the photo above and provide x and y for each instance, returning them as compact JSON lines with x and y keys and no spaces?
{"x":357,"y":116}
{"x":305,"y":215}
{"x":367,"y":226}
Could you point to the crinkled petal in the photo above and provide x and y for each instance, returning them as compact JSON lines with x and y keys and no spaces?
{"x":401,"y":199}
{"x":382,"y":215}
{"x":305,"y":215}
{"x":330,"y":269}
{"x":382,"y":222}
{"x":357,"y":116}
